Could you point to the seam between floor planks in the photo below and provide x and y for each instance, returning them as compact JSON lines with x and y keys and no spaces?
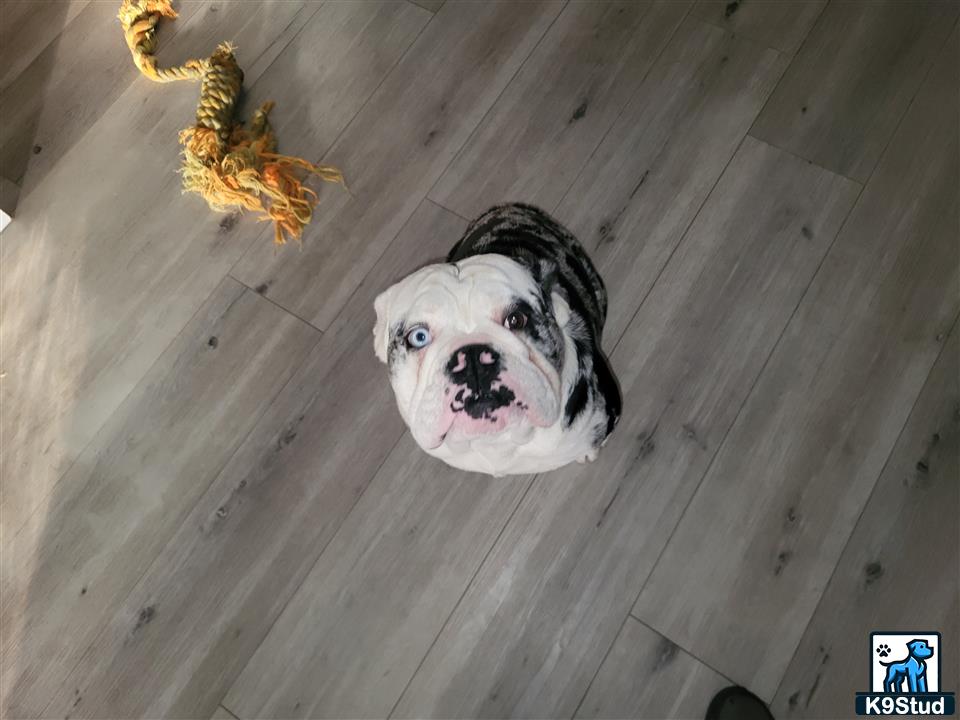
{"x":862,"y":185}
{"x":743,"y":404}
{"x":573,"y":182}
{"x":200,"y":304}
{"x":916,"y":399}
{"x":935,"y":65}
{"x":682,"y":237}
{"x":893,"y":132}
{"x":639,"y":307}
{"x":260,"y":238}
{"x":466,"y":144}
{"x":203,"y":301}
{"x":347,"y":125}
{"x":166,"y":348}
{"x":631,"y":616}
{"x":954,"y":328}
{"x":792,"y":54}
{"x":240,"y":441}
{"x":626,"y":105}
{"x":681,"y":240}
{"x":466,"y":587}
{"x":274,"y":303}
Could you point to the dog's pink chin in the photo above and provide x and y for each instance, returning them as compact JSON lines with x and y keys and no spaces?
{"x":459,"y":425}
{"x":464,"y":426}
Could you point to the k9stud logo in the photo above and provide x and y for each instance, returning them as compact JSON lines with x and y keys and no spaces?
{"x":905,"y":676}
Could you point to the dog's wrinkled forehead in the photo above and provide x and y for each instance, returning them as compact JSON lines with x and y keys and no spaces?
{"x":463,"y":296}
{"x":467,"y":291}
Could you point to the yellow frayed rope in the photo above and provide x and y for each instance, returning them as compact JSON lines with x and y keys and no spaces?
{"x":230,"y":166}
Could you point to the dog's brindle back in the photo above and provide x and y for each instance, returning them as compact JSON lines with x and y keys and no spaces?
{"x":557,"y":262}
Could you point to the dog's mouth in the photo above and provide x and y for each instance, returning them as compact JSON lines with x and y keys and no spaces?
{"x":501,"y":394}
{"x":471,"y":415}
{"x":483,"y":404}
{"x":485,"y":413}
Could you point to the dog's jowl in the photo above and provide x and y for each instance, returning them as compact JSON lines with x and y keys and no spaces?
{"x":495,"y":355}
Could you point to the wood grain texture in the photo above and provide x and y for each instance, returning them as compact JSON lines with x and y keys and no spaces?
{"x":223,"y":579}
{"x":899,"y":570}
{"x":780,"y":24}
{"x":27,"y":28}
{"x":848,"y":87}
{"x":646,"y":676}
{"x":326,"y":74}
{"x":242,"y":527}
{"x":351,"y":638}
{"x":134,"y":484}
{"x":647,"y":180}
{"x":548,"y":602}
{"x":91,"y":297}
{"x":54,"y":101}
{"x":553,"y":114}
{"x":434,"y":98}
{"x":811,"y":441}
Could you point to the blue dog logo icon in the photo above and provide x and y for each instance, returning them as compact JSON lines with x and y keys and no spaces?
{"x":905,"y":676}
{"x":911,"y":671}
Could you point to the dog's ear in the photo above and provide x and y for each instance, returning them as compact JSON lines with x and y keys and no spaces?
{"x":381,"y":329}
{"x":546,"y":276}
{"x":561,"y":310}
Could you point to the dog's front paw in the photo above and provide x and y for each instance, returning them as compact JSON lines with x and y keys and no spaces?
{"x":589,"y":457}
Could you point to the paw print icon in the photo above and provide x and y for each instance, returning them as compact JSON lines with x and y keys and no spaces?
{"x":883,"y":650}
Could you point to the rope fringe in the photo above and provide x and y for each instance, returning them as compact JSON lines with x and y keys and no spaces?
{"x":229,"y":166}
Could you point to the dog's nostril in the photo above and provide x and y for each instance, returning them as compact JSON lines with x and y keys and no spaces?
{"x":470,"y":358}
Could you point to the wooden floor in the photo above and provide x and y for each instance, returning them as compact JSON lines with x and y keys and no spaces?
{"x":210,"y":505}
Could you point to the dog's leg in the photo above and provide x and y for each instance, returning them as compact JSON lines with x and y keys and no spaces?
{"x":889,"y":684}
{"x":922,"y":682}
{"x":912,"y":679}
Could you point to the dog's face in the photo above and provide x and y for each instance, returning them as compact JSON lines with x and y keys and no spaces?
{"x":474,"y":348}
{"x":920,"y":649}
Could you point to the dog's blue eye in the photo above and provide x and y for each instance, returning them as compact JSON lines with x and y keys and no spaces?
{"x":418,"y":337}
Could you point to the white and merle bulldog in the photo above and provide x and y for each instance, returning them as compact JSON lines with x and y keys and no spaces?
{"x":495,"y":355}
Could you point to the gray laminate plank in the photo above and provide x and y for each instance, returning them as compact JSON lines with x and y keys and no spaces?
{"x":95,"y":287}
{"x":351,"y":638}
{"x":846,"y":90}
{"x":76,"y":560}
{"x":234,"y":563}
{"x":742,"y":574}
{"x":322,"y":78}
{"x":780,"y":24}
{"x":54,"y":101}
{"x":397,"y":147}
{"x":548,"y":602}
{"x":27,"y":28}
{"x":553,"y":114}
{"x":899,"y":570}
{"x":647,"y":180}
{"x":645,"y":675}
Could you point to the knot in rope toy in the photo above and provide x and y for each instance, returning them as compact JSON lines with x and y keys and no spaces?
{"x":228,"y":165}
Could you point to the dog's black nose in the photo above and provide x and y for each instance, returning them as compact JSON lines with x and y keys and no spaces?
{"x":476,"y":368}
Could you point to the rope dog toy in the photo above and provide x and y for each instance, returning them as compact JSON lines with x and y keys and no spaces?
{"x":228,"y":165}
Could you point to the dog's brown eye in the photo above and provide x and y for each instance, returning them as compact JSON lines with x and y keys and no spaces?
{"x":515,"y":321}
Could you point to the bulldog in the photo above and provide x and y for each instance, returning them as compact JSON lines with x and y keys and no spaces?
{"x":495,"y":356}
